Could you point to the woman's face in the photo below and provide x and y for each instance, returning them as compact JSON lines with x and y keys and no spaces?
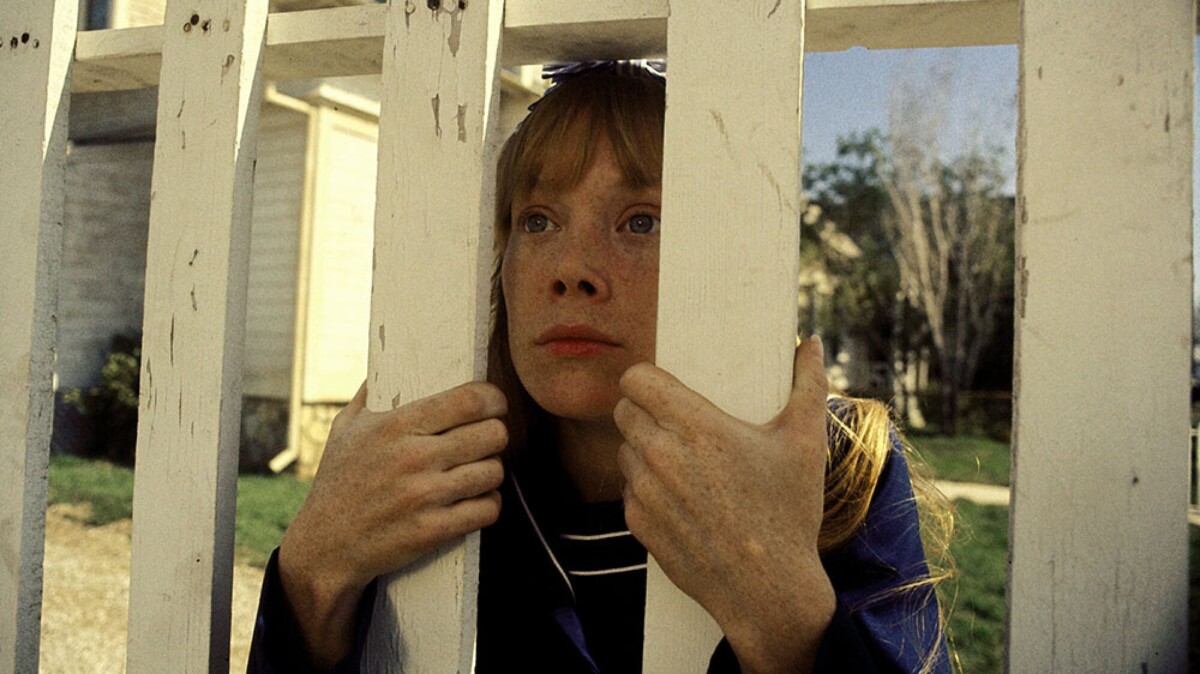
{"x":580,"y":282}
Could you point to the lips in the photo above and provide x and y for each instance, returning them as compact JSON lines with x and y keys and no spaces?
{"x":576,"y":341}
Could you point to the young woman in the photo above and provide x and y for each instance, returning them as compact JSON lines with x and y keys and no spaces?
{"x":580,"y":455}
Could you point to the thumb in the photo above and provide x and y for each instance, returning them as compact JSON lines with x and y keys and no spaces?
{"x":809,"y":386}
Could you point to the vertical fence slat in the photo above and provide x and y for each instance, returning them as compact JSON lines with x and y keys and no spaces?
{"x":429,"y":309}
{"x":36,"y":46}
{"x":1099,"y":579}
{"x":730,"y":242}
{"x":196,"y":271}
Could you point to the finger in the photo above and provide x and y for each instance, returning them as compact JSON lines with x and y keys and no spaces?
{"x":472,"y":514}
{"x":635,"y":423}
{"x":468,"y":443}
{"x":669,"y":401}
{"x":463,"y":404}
{"x":438,"y":526}
{"x":471,"y":480}
{"x":810,"y":388}
{"x":351,"y":410}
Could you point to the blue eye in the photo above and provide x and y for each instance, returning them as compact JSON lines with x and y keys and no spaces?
{"x":536,"y":223}
{"x":642,"y":223}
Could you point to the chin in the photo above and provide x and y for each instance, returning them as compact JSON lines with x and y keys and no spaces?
{"x":582,"y":401}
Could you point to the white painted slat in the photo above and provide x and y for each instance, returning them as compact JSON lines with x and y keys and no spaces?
{"x":429,"y":306}
{"x":196,"y":271}
{"x":729,"y":261}
{"x":1099,"y":572}
{"x":349,"y":40}
{"x":35,"y":58}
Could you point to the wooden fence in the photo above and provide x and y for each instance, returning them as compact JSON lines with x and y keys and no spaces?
{"x":1098,"y":577}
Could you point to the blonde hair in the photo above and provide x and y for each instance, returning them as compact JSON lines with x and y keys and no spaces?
{"x":626,"y":108}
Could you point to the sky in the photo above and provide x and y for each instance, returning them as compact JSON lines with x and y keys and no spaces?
{"x":848,"y":91}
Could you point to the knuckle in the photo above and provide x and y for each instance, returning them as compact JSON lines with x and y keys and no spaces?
{"x":623,"y":412}
{"x":470,"y":400}
{"x":636,"y":375}
{"x":496,"y":404}
{"x":495,"y":433}
{"x":490,"y":508}
{"x":422,"y":493}
{"x":480,"y":400}
{"x":656,"y":456}
{"x":493,"y":475}
{"x":635,"y":515}
{"x":341,"y":420}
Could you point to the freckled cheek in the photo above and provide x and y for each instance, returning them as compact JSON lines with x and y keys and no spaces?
{"x":517,"y":282}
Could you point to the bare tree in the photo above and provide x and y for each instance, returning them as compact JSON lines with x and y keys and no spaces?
{"x":951,"y":230}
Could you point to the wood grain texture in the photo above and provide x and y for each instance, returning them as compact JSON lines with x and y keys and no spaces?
{"x":349,"y":40}
{"x":36,"y":41}
{"x":430,"y":300}
{"x":191,"y":386}
{"x":1099,"y":573}
{"x":729,"y":262}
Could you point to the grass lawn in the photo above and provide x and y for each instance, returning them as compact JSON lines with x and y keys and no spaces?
{"x":975,"y":597}
{"x":265,"y":504}
{"x":966,"y":458}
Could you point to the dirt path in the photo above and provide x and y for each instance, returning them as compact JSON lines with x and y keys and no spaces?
{"x":85,"y":604}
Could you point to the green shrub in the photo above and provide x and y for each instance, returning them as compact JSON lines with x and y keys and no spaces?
{"x":112,"y":407}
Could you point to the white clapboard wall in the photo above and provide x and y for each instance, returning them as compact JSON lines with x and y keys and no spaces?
{"x":1098,"y":575}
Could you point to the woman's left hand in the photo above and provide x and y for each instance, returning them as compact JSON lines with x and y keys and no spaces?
{"x":731,"y":510}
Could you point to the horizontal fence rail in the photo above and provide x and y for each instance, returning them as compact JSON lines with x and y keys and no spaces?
{"x":349,"y":40}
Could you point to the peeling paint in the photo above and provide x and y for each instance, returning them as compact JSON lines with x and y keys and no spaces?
{"x":395,"y":401}
{"x":1023,"y":272}
{"x":462,"y":123}
{"x":437,"y":119}
{"x":455,"y":38}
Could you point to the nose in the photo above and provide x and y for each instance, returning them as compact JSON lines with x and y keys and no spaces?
{"x":580,"y":272}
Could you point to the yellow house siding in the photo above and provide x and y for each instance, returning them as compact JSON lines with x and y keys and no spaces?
{"x":340,"y":281}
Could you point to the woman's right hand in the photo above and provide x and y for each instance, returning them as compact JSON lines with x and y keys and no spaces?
{"x":392,"y":487}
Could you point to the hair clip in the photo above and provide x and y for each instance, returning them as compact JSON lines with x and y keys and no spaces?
{"x":558,"y":73}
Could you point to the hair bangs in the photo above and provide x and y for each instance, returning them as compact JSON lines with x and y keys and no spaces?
{"x":556,"y":145}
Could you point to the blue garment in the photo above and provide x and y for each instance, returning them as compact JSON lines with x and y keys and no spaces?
{"x":529,"y":619}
